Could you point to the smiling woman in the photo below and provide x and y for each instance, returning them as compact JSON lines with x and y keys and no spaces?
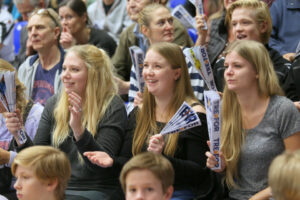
{"x":74,"y":75}
{"x":167,"y":87}
{"x":88,"y":115}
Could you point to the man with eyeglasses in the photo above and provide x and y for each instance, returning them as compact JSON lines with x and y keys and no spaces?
{"x":40,"y":73}
{"x":25,"y":8}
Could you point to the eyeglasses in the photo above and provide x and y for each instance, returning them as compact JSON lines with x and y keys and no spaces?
{"x":44,"y":11}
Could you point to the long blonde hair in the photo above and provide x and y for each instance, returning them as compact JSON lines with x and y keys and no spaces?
{"x":21,"y":100}
{"x":100,"y":90}
{"x":146,"y":120}
{"x":232,"y":137}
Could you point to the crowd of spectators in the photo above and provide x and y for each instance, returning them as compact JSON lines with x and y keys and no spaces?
{"x":91,"y":132}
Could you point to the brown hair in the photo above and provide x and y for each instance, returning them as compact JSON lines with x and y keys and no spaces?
{"x":146,"y":122}
{"x":232,"y":127}
{"x":159,"y":166}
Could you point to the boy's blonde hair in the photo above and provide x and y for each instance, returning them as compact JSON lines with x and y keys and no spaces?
{"x":159,"y":166}
{"x":47,"y":164}
{"x":260,"y":11}
{"x":284,"y":176}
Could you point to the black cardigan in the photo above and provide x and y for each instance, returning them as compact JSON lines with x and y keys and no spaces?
{"x":109,"y":138}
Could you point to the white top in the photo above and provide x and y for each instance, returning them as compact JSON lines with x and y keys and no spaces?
{"x":114,"y":22}
{"x":7,"y":51}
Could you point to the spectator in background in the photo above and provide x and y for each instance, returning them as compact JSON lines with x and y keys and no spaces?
{"x":42,"y":172}
{"x":210,"y":7}
{"x":157,"y":25}
{"x":144,"y":171}
{"x":76,"y":30}
{"x":286,"y":30}
{"x":292,"y":83}
{"x":132,"y":36}
{"x":251,"y":20}
{"x":284,"y":176}
{"x":6,"y":35}
{"x":110,"y":16}
{"x":25,"y":7}
{"x":220,"y":34}
{"x":40,"y":73}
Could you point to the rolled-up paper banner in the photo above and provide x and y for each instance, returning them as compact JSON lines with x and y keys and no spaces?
{"x":213,"y":115}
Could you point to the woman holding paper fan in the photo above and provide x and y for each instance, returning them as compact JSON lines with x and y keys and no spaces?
{"x":88,"y":115}
{"x":30,"y":113}
{"x":167,"y":87}
{"x":76,"y":29}
{"x":257,"y":122}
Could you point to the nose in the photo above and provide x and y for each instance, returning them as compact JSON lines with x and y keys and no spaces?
{"x":17,"y":184}
{"x":169,"y":25}
{"x":228,"y":71}
{"x":148,"y":71}
{"x":65,"y":74}
{"x":33,"y":31}
{"x":238,"y":27}
{"x":63,"y":21}
{"x":139,"y":195}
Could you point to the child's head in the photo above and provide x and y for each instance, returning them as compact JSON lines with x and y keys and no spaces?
{"x":41,"y":171}
{"x":284,"y":176}
{"x":149,"y":176}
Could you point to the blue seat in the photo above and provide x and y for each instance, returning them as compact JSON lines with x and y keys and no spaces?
{"x":193,"y":34}
{"x":17,"y":35}
{"x":174,"y":3}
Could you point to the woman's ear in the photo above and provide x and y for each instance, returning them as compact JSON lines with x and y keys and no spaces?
{"x":85,"y":18}
{"x":145,"y":30}
{"x":57,"y":32}
{"x":177,"y":73}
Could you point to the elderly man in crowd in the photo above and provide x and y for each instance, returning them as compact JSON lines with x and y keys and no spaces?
{"x":40,"y":73}
{"x":25,"y":7}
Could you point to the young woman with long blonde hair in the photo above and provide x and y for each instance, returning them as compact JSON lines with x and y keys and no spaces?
{"x":167,"y":87}
{"x":88,"y":115}
{"x":257,"y":122}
